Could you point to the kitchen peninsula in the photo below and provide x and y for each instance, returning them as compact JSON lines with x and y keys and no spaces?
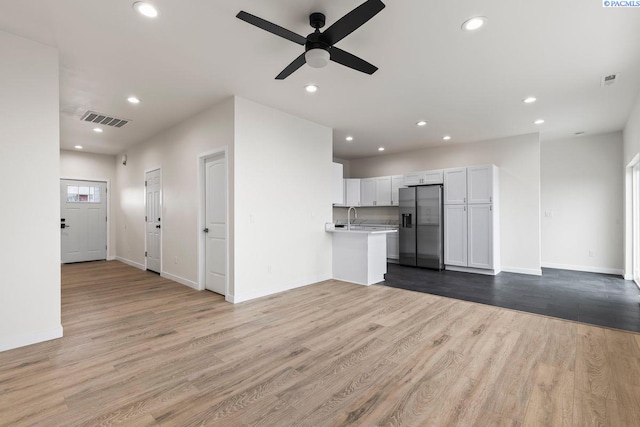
{"x":360,"y":256}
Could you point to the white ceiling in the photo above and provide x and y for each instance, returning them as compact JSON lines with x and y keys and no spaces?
{"x":469,"y":85}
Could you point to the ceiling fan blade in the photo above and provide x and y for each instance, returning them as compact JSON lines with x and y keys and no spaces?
{"x":297,"y":63}
{"x":352,"y":21}
{"x":351,"y":61}
{"x":272,"y":28}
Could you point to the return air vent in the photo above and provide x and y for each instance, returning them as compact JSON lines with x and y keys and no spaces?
{"x":103,"y":119}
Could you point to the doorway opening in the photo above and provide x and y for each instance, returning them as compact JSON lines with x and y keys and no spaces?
{"x":153,"y":219}
{"x":635,"y":209}
{"x":214,"y":246}
{"x":83,"y":220}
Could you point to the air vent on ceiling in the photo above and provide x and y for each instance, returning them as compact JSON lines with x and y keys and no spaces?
{"x":609,"y":79}
{"x":103,"y":119}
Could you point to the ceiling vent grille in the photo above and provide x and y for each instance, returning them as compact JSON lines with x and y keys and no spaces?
{"x":103,"y":119}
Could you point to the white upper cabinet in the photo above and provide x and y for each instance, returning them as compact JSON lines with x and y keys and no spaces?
{"x":383,"y":191}
{"x":397,"y":182}
{"x":481,"y":183}
{"x":455,"y":186}
{"x":423,"y":177}
{"x":413,"y":178}
{"x":434,"y":176}
{"x":338,"y":184}
{"x":368,"y":192}
{"x":352,"y":192}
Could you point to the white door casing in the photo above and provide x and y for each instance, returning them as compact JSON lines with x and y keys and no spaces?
{"x":215,"y":215}
{"x":635,"y":215}
{"x":83,"y":220}
{"x":153,"y":219}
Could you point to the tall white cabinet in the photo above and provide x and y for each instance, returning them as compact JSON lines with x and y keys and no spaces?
{"x":471,"y":231}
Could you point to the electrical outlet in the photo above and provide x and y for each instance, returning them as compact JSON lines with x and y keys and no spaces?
{"x":548,"y":214}
{"x":269,"y":268}
{"x":592,"y":253}
{"x":175,"y":260}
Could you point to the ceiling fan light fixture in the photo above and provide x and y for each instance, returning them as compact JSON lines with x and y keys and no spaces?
{"x":317,"y":58}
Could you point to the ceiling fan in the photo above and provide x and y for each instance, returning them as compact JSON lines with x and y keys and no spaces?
{"x":319,"y":46}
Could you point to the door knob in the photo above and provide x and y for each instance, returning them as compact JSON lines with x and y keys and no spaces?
{"x":206,"y":230}
{"x":65,"y":226}
{"x":157,"y":226}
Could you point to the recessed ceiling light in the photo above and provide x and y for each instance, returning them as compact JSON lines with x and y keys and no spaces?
{"x":146,"y":9}
{"x":78,"y":147}
{"x":97,"y":130}
{"x":474,"y":23}
{"x":446,"y":137}
{"x":349,"y":138}
{"x":311,"y":88}
{"x":538,"y":122}
{"x":421,"y":123}
{"x":133,"y":100}
{"x":381,"y":149}
{"x":529,"y":100}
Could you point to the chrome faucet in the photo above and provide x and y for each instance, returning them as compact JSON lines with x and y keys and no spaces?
{"x":355,"y":212}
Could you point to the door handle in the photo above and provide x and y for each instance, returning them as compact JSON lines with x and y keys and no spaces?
{"x":206,"y":230}
{"x":157,"y":226}
{"x":65,"y":226}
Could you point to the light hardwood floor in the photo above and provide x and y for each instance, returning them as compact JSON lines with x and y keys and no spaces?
{"x":141,"y":350}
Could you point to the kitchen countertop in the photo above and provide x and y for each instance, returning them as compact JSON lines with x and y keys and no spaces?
{"x":345,"y":231}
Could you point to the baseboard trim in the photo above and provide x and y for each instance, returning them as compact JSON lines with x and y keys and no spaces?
{"x":602,"y":270}
{"x":471,"y":270}
{"x":181,"y":280}
{"x":111,"y":258}
{"x":528,"y":271}
{"x":131,"y":263}
{"x":230,"y":298}
{"x":15,"y":341}
{"x":238,"y":298}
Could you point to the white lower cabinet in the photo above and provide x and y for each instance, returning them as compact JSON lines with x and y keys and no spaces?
{"x":470,"y":237}
{"x":393,"y":250}
{"x":455,"y":235}
{"x":480,"y":233}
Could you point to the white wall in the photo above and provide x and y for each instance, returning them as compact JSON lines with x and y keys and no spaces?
{"x":518,"y":158}
{"x":176,"y":152}
{"x":582,"y":188}
{"x":94,"y":167}
{"x":282,"y":201}
{"x":30,"y":189}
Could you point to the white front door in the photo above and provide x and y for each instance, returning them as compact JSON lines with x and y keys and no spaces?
{"x":83,"y":220}
{"x":216,"y":224}
{"x":153,"y":190}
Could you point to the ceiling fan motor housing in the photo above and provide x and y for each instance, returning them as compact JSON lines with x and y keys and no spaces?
{"x":317,"y":20}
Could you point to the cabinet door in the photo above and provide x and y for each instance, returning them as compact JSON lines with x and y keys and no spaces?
{"x":397,"y":182}
{"x":455,"y":186}
{"x":352,"y":190}
{"x":338,"y":184}
{"x":455,"y":235}
{"x":383,"y":191}
{"x":413,"y":178}
{"x":368,"y":192}
{"x":480,"y":234}
{"x":434,"y":177}
{"x":392,"y":246}
{"x":480,"y":184}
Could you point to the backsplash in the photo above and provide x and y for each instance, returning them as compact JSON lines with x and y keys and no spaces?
{"x":384,"y":215}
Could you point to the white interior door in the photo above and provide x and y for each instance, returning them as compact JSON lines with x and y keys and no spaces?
{"x":153,"y":219}
{"x":635,"y":206}
{"x":83,"y":220}
{"x":216,"y":224}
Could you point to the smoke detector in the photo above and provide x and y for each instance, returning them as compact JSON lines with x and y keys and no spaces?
{"x":609,"y":80}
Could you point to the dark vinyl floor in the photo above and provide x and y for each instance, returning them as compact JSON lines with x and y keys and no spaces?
{"x":597,"y":299}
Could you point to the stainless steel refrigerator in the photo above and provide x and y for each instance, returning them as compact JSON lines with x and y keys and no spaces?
{"x":421,"y":233}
